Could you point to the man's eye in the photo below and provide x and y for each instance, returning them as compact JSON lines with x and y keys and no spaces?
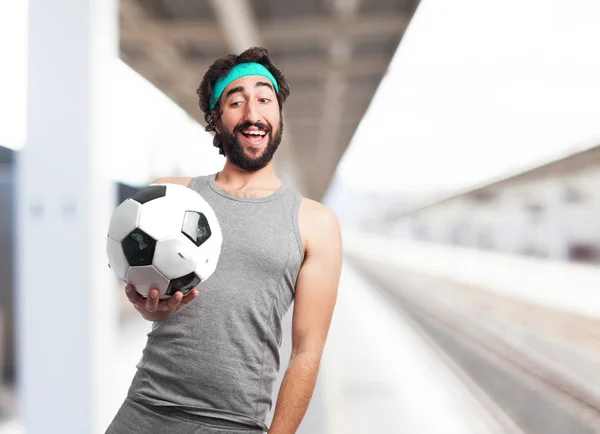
{"x":264,"y":100}
{"x":236,"y":103}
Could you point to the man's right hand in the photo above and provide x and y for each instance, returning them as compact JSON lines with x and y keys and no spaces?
{"x":154,"y":309}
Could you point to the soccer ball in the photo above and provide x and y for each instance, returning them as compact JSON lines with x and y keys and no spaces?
{"x":166,"y":236}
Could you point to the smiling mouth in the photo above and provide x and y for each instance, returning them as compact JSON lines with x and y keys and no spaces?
{"x":254,"y":136}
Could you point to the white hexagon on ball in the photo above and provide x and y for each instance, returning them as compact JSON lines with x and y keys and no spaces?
{"x":147,"y":278}
{"x":124,"y":219}
{"x":161,"y":217}
{"x":174,"y":256}
{"x":116,"y":258}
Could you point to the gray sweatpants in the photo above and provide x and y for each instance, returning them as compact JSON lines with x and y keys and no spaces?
{"x":136,"y":418}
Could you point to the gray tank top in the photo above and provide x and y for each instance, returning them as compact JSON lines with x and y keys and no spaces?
{"x":219,"y":355}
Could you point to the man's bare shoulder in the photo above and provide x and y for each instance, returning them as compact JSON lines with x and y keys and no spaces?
{"x":173,"y":180}
{"x":317,"y":223}
{"x":317,"y":213}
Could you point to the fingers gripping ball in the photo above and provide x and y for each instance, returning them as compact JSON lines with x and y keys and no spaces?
{"x":167,"y":237}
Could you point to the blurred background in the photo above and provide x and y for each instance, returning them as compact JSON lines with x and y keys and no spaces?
{"x":457,"y":141}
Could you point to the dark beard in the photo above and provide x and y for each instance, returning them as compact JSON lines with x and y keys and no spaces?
{"x":235,"y":153}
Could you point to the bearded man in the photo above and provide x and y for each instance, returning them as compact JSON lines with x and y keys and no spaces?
{"x":212,"y":356}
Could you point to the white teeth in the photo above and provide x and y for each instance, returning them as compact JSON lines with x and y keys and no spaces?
{"x":256,"y":133}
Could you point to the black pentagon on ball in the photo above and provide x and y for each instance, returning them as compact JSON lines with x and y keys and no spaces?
{"x":196,"y":227}
{"x":149,"y":193}
{"x":184,"y":284}
{"x":138,"y":248}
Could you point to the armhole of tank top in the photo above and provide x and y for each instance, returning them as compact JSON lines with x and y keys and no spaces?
{"x":295,"y":212}
{"x":198,"y":183}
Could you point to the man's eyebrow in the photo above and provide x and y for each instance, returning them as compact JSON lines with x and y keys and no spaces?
{"x":264,"y":83}
{"x":234,"y":90}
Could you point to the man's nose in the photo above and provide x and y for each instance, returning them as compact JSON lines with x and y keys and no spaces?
{"x":252,"y":112}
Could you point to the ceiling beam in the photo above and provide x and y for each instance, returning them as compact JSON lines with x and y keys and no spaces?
{"x":282,"y":32}
{"x":308,"y":122}
{"x":303,"y":30}
{"x":237,"y":23}
{"x":300,"y":69}
{"x":310,"y":67}
{"x":359,"y":91}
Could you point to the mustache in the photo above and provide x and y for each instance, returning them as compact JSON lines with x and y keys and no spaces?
{"x":259,"y":125}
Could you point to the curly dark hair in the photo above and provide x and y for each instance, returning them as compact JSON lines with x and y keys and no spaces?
{"x":220,"y":68}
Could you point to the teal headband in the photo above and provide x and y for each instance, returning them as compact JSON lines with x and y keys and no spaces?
{"x":239,"y":71}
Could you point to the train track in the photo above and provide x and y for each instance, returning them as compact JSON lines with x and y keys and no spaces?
{"x":526,"y":392}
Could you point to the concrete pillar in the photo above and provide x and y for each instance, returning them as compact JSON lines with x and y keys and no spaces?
{"x":66,"y":314}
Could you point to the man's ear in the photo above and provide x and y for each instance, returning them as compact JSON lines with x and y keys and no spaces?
{"x":217,"y":119}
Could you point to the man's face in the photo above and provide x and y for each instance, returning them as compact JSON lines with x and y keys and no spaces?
{"x":250,"y":125}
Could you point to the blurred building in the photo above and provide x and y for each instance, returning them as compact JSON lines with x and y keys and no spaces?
{"x":550,"y":211}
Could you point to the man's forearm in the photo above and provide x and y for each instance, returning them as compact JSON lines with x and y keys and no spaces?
{"x":295,"y":392}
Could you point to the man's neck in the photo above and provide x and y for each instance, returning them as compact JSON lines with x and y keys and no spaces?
{"x":233,"y":179}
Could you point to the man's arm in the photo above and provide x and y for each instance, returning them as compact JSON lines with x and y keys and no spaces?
{"x":316,"y":293}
